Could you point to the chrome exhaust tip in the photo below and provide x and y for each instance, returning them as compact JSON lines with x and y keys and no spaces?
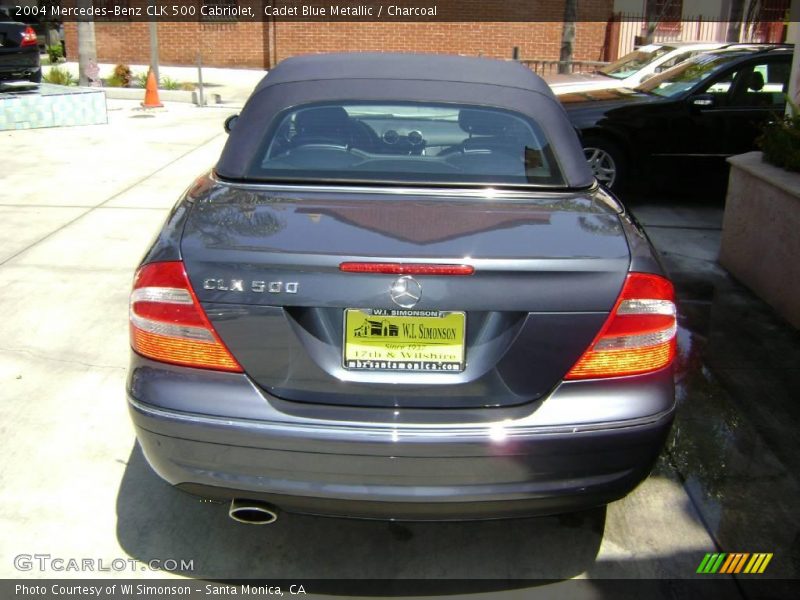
{"x":252,"y":512}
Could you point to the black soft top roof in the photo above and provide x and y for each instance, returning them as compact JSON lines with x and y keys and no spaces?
{"x":387,"y":77}
{"x":409,"y":67}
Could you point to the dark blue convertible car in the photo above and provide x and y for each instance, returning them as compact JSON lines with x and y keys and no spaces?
{"x":401,"y":294}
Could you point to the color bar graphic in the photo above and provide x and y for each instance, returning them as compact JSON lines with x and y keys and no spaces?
{"x":734,"y":562}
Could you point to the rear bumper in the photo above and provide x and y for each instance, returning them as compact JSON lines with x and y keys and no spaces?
{"x":19,"y":64}
{"x":430,"y":465}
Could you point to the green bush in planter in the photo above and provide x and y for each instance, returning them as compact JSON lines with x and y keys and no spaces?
{"x":780,"y":141}
{"x":55,"y":53}
{"x":139,"y":80}
{"x":168,"y":83}
{"x":122,"y":76}
{"x":115,"y":81}
{"x":59,"y":76}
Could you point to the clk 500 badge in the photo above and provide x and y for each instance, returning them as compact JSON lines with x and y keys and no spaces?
{"x":238,"y":285}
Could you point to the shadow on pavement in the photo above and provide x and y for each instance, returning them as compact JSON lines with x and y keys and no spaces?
{"x":737,"y":427}
{"x":156,"y":521}
{"x":535,"y":557}
{"x":703,"y":183}
{"x":735,"y":436}
{"x":734,"y":446}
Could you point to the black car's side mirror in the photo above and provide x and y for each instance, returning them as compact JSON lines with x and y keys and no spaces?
{"x":702,"y":101}
{"x":230,"y":123}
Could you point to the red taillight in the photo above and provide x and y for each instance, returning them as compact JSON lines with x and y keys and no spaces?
{"x":168,"y":324}
{"x":28,"y":37}
{"x":639,"y":334}
{"x":406,"y":268}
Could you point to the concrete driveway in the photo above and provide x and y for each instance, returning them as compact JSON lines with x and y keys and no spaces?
{"x":80,"y":208}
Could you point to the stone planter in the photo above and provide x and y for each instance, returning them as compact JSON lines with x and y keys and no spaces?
{"x":120,"y":93}
{"x":761,"y":232}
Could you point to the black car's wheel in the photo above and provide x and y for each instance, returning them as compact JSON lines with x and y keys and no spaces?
{"x":36,"y":77}
{"x":606,"y":160}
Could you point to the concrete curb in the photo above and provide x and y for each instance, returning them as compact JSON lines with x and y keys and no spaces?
{"x":138,"y":94}
{"x":189,"y":97}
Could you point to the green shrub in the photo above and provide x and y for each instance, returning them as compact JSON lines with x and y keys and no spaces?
{"x":114,"y":81}
{"x":167,"y":83}
{"x":55,"y":53}
{"x":123,"y":75}
{"x":780,"y":140}
{"x":139,"y":80}
{"x":59,"y":76}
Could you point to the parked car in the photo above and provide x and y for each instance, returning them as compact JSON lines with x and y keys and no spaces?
{"x":19,"y":51}
{"x":401,"y":294}
{"x":709,"y":107}
{"x":632,"y":69}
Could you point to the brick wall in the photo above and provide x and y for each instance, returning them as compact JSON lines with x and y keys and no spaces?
{"x":222,"y":44}
{"x":249,"y":44}
{"x":535,"y":40}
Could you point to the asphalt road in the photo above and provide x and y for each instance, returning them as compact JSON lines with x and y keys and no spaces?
{"x":80,"y":208}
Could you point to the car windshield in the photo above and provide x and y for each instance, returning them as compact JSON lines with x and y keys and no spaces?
{"x":685,"y":75}
{"x":634,"y":62}
{"x":406,"y":142}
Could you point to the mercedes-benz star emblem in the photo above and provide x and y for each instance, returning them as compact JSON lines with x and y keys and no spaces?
{"x":406,"y":291}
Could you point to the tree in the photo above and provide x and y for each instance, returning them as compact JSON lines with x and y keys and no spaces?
{"x":659,"y":12}
{"x":87,"y":48}
{"x":154,"y":43}
{"x":735,"y":20}
{"x":567,"y":36}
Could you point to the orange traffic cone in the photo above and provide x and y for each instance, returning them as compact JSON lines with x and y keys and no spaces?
{"x":151,"y":92}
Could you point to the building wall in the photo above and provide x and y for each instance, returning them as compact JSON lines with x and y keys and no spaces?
{"x":259,"y":45}
{"x":534,"y":40}
{"x":222,"y":44}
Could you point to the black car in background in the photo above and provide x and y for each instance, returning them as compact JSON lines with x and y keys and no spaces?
{"x":19,"y":50}
{"x":709,"y":107}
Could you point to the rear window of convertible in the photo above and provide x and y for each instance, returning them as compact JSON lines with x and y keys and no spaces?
{"x":405,"y":142}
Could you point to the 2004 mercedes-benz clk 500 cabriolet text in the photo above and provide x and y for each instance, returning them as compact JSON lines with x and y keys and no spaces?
{"x":401,"y":294}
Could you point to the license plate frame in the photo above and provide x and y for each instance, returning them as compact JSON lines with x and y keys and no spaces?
{"x":404,"y":341}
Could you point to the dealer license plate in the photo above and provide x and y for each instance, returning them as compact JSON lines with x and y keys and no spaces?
{"x":403,"y":340}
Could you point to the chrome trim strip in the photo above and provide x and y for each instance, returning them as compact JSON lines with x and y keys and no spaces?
{"x":696,"y":155}
{"x":497,"y":431}
{"x":487,"y":193}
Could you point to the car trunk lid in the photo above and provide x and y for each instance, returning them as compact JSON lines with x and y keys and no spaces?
{"x":265,"y":264}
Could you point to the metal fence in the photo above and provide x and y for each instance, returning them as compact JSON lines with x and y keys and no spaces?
{"x":632,"y":28}
{"x":627,"y":31}
{"x":550,"y":67}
